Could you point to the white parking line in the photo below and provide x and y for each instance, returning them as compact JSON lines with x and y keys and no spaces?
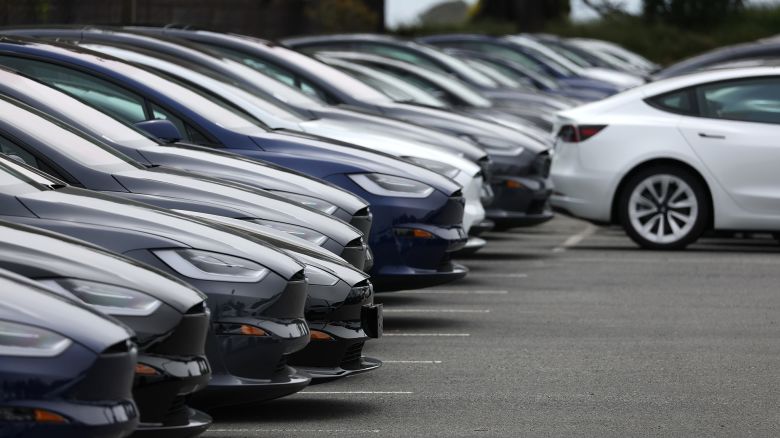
{"x":355,"y":392}
{"x":436,"y":310}
{"x":432,"y":362}
{"x":489,"y":275}
{"x":355,"y":431}
{"x":575,"y":239}
{"x":453,"y":292}
{"x":443,"y":335}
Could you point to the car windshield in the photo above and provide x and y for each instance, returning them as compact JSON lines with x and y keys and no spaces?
{"x":65,"y":141}
{"x":100,"y":124}
{"x":207,"y":83}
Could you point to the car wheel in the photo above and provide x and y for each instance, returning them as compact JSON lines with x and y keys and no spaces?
{"x":664,"y":207}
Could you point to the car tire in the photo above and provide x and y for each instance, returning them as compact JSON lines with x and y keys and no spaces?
{"x":664,"y":207}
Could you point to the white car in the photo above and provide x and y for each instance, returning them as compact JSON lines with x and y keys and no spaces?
{"x":674,"y":158}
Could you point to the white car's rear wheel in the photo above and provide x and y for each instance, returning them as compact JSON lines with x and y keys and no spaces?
{"x":664,"y":207}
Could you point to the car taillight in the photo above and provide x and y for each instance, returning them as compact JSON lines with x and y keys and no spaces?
{"x":576,"y":134}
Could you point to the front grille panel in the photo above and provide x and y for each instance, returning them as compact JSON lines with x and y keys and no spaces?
{"x":362,"y":220}
{"x":352,"y":355}
{"x":281,"y":366}
{"x":177,"y":413}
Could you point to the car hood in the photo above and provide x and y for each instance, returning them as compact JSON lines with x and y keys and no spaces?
{"x":41,"y":254}
{"x":392,"y":145}
{"x":351,"y":158}
{"x":166,"y":228}
{"x":255,"y":173}
{"x":407,"y":131}
{"x":303,"y":251}
{"x":24,"y":301}
{"x":245,"y":202}
{"x":459,"y":125}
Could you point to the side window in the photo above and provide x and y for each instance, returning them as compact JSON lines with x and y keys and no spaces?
{"x":18,"y":153}
{"x":746,"y":100}
{"x":97,"y":92}
{"x":679,"y":102}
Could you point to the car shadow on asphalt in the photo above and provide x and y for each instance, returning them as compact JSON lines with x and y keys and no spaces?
{"x":295,"y":409}
{"x":486,"y":255}
{"x":702,"y":246}
{"x":396,"y":322}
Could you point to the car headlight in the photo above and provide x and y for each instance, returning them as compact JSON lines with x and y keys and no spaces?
{"x":24,"y":340}
{"x":319,"y":277}
{"x":494,"y":145}
{"x":207,"y":265}
{"x":315,"y":203}
{"x":387,"y":185}
{"x":107,"y":298}
{"x":301,"y":232}
{"x":436,"y":166}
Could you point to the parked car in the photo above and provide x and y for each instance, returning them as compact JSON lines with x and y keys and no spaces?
{"x":460,"y":169}
{"x":405,"y":196}
{"x":86,"y":162}
{"x":139,"y":146}
{"x":459,"y":95}
{"x":701,"y":156}
{"x":170,"y":319}
{"x":639,"y":62}
{"x":761,"y":49}
{"x":518,"y":163}
{"x":536,"y":78}
{"x":65,"y":369}
{"x":256,"y":294}
{"x":503,"y":48}
{"x":426,"y":56}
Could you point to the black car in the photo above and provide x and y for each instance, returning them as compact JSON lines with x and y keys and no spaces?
{"x":256,"y":294}
{"x":170,"y":319}
{"x":65,"y":369}
{"x":42,"y":142}
{"x":757,"y":50}
{"x":339,"y":308}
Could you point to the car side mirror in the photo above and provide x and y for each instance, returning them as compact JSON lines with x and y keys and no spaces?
{"x":160,"y":128}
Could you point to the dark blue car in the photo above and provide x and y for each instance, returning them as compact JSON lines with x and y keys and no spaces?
{"x":417,"y":213}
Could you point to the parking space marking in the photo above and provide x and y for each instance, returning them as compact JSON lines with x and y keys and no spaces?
{"x":293,"y":431}
{"x":436,"y":310}
{"x":453,"y":292}
{"x":575,"y":239}
{"x":443,"y":335}
{"x":355,"y":392}
{"x":431,"y":362}
{"x":489,"y":275}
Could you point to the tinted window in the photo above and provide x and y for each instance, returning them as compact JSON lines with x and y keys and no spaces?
{"x":680,"y":102}
{"x":747,"y":100}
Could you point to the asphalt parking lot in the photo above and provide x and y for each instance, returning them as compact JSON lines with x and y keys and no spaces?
{"x":563,"y":329}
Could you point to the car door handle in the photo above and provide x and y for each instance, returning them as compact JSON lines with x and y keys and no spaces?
{"x":716,"y":136}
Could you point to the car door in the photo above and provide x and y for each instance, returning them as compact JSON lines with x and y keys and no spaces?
{"x":736,"y":135}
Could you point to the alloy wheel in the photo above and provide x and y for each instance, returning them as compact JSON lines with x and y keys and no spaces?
{"x":663,"y":208}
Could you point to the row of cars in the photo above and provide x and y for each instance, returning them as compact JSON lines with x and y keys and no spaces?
{"x":193,"y":219}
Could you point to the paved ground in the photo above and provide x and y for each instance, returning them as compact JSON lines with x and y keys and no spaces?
{"x":563,"y":330}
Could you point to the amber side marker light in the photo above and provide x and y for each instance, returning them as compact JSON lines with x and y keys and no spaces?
{"x":317,"y":335}
{"x":414,"y":232}
{"x":511,"y":184}
{"x":145,"y":370}
{"x":252,"y":330}
{"x":43,"y":416}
